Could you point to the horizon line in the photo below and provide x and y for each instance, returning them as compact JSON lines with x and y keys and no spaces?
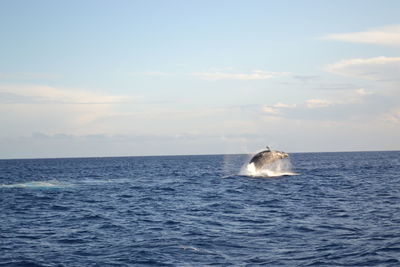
{"x":180,"y":155}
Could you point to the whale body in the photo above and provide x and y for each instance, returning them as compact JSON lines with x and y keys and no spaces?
{"x":266,"y":157}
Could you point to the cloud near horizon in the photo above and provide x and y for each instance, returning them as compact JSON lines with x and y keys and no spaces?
{"x":254,"y":75}
{"x":219,"y":74}
{"x":28,"y":108}
{"x":393,"y":116}
{"x":275,"y":109}
{"x":356,"y":106}
{"x":42,"y":94}
{"x":356,"y":96}
{"x":318,"y":103}
{"x":387,"y":35}
{"x":376,"y":68}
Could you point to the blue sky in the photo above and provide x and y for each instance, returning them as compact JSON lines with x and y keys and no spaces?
{"x":115,"y":78}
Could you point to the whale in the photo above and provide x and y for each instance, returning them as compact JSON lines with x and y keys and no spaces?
{"x":266,"y":157}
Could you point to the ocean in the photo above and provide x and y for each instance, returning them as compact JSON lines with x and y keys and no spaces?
{"x":317,"y":209}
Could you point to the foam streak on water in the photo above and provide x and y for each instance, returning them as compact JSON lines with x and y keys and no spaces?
{"x":34,"y":184}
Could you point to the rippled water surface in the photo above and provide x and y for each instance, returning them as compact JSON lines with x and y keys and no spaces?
{"x":341,"y":209}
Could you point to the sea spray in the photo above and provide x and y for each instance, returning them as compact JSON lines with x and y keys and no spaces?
{"x":278,"y":168}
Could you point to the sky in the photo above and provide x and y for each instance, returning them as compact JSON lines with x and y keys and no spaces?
{"x":131,"y":78}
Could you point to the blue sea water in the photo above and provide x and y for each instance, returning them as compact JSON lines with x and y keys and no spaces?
{"x":340,"y":209}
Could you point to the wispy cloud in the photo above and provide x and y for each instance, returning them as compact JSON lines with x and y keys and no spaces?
{"x":275,"y":109}
{"x":318,"y":103}
{"x":45,"y":108}
{"x":153,"y":73}
{"x":377,"y":68}
{"x":362,"y":92}
{"x":52,"y":95}
{"x":23,"y":76}
{"x":357,"y":104}
{"x":270,"y":110}
{"x":254,"y":75}
{"x":219,"y":74}
{"x":388,"y":35}
{"x":354,"y":97}
{"x":306,"y":78}
{"x":283,"y":105}
{"x":334,"y":86}
{"x":392,"y":116}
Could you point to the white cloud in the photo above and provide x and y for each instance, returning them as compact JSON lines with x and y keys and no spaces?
{"x":219,"y":74}
{"x":270,"y":110}
{"x":377,"y":68}
{"x":153,"y":73}
{"x":354,"y":97}
{"x":318,"y":103}
{"x":51,"y":109}
{"x":53,"y":95}
{"x":28,"y":76}
{"x":393,"y":116}
{"x":283,"y":105}
{"x":275,"y":109}
{"x":254,"y":75}
{"x":305,"y":78}
{"x":388,"y":35}
{"x":362,"y":92}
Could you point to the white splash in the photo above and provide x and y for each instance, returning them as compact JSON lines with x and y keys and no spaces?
{"x":278,"y":168}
